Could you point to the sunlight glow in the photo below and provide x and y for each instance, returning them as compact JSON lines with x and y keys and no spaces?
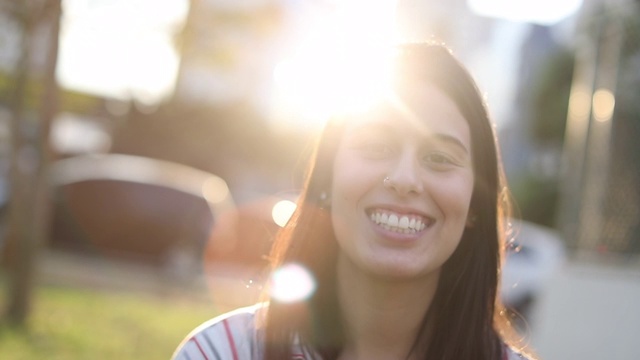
{"x":339,"y":62}
{"x":121,"y":49}
{"x":544,"y":12}
{"x":291,"y":283}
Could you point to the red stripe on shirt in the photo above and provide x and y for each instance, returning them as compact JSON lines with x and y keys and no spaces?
{"x":232,"y":343}
{"x":199,"y":348}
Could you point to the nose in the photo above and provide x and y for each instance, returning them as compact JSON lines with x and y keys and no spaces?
{"x":404,"y":177}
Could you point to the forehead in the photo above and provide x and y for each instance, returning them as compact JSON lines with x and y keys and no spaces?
{"x":425,"y":111}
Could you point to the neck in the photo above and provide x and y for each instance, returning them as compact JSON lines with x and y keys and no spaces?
{"x":382,"y":317}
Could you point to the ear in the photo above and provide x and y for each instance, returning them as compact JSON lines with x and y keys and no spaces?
{"x":471,"y":220}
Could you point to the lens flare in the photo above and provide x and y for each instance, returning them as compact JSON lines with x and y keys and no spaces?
{"x":292,"y":283}
{"x":282,"y":211}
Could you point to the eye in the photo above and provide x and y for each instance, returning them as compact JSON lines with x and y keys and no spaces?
{"x":439,"y":160}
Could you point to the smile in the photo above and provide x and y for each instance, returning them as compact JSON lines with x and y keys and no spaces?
{"x":400,"y":223}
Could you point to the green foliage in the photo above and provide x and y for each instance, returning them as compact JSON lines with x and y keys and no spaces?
{"x":551,"y":98}
{"x":537,"y":196}
{"x":536,"y":199}
{"x":69,"y":323}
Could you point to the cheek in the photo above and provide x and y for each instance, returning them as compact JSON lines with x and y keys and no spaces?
{"x":454,"y":195}
{"x":345,"y":193}
{"x":351,"y":178}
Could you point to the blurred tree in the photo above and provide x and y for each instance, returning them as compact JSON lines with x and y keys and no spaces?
{"x":551,"y":99}
{"x":30,"y":153}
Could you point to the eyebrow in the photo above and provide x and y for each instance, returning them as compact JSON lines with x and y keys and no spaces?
{"x":382,"y":125}
{"x":451,"y":140}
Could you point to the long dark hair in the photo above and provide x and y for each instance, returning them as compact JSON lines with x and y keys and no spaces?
{"x":463,"y":317}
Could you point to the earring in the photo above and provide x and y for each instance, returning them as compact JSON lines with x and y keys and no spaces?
{"x":386,"y":182}
{"x":471,"y":220}
{"x":325,"y":200}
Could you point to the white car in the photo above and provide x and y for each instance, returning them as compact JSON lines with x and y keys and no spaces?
{"x":534,"y":254}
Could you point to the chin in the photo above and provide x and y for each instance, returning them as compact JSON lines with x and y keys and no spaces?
{"x":400,"y":271}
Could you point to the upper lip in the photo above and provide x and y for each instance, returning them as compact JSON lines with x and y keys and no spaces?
{"x":404,"y":210}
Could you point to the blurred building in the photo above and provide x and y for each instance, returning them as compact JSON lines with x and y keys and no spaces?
{"x":601,"y":198}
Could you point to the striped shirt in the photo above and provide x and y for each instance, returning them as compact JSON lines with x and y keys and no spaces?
{"x":234,"y":336}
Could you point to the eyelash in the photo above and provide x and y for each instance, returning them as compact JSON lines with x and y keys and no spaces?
{"x":439,"y":159}
{"x":378,"y":148}
{"x":382,"y":150}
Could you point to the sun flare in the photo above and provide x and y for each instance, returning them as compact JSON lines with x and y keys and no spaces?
{"x":340,"y":62}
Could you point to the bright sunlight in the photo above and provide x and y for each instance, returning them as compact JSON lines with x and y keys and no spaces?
{"x":338,"y":61}
{"x":120,"y":48}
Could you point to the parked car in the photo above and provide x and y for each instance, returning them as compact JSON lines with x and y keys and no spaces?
{"x":134,"y":207}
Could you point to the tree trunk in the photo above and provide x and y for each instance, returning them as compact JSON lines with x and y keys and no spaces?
{"x":29,"y":205}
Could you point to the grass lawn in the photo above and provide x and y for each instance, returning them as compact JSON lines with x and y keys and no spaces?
{"x":71,"y":323}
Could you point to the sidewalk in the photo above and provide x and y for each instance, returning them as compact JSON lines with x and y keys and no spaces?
{"x":590,"y":311}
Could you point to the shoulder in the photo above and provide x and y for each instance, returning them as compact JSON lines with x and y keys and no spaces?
{"x":228,"y":336}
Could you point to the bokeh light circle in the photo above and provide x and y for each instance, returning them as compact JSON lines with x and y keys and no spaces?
{"x":291,"y":283}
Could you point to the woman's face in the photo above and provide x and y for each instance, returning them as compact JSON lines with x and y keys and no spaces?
{"x":408,"y":225}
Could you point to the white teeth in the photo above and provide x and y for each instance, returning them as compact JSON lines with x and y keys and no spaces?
{"x":384,"y":219}
{"x":404,"y":223}
{"x":398,"y":223}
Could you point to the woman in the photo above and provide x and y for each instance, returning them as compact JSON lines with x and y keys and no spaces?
{"x":400,"y":224}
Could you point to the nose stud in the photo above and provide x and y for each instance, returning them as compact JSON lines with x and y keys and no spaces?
{"x":401,"y":186}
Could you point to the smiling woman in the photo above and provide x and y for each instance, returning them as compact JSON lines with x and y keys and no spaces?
{"x":399,"y":229}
